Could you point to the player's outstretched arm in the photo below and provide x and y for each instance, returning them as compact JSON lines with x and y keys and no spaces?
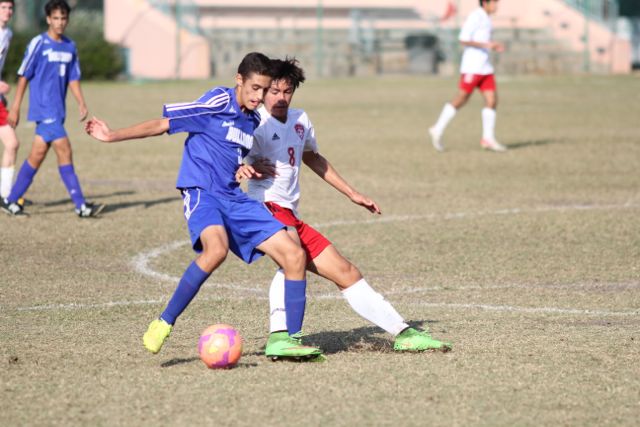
{"x":14,"y":111}
{"x":101,"y":131}
{"x":326,"y":171}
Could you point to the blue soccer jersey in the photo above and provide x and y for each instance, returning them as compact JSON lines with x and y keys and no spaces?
{"x":49,"y":66}
{"x":220,"y":136}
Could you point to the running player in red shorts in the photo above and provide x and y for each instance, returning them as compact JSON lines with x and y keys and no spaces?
{"x":284,"y":140}
{"x":476,"y":71}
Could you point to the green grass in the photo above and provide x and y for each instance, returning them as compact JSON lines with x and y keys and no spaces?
{"x":527,"y":261}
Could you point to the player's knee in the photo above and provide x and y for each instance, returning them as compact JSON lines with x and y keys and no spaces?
{"x":295,"y":259}
{"x":213,"y":256}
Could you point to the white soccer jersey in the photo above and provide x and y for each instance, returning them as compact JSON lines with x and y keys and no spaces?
{"x":283,"y":144}
{"x":5,"y":39}
{"x":477,"y":28}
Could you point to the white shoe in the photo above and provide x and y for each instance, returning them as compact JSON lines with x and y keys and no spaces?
{"x":493,"y":145}
{"x":435,"y":139}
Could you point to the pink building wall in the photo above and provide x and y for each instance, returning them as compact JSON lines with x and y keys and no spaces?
{"x":151,"y":35}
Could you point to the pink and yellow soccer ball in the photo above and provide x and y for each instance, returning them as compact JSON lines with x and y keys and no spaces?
{"x":220,"y":346}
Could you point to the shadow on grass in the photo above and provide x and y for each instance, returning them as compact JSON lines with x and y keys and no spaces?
{"x":364,"y":339}
{"x":146,"y":204}
{"x":109,"y":207}
{"x":183,"y":361}
{"x":535,"y":143}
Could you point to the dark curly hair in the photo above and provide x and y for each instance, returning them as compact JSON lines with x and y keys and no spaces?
{"x":288,"y":70}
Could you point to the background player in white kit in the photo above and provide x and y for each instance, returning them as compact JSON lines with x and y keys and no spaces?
{"x":7,"y":133}
{"x":285,"y":139}
{"x":476,"y":72}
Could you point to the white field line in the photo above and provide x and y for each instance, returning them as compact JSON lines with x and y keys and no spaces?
{"x":141,"y":264}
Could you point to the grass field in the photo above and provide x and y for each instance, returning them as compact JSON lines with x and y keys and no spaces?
{"x":527,"y":261}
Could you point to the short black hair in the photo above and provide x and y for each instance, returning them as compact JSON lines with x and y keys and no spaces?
{"x":255,"y":63}
{"x":61,"y":5}
{"x":288,"y":70}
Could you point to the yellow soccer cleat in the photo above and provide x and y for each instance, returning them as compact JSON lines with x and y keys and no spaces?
{"x":158,"y":332}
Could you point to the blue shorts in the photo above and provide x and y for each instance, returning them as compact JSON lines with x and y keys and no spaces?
{"x":246,"y":221}
{"x":51,"y":129}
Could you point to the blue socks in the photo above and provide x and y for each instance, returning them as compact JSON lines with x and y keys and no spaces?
{"x":23,"y":181}
{"x":70,"y":179}
{"x":188,"y":287}
{"x":295,"y":299}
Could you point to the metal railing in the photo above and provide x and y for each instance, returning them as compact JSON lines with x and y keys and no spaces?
{"x":603,"y":11}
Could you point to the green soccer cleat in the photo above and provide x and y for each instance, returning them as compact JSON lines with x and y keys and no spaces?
{"x":282,"y":346}
{"x":155,"y":336}
{"x":413,"y":340}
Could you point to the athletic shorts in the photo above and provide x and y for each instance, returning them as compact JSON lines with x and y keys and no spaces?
{"x":247,"y":222}
{"x":51,"y":129}
{"x":4,"y":114}
{"x":484,"y":82}
{"x":311,"y":240}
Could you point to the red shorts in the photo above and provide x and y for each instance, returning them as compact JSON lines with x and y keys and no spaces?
{"x":3,"y":114}
{"x":484,"y":82}
{"x":311,"y":240}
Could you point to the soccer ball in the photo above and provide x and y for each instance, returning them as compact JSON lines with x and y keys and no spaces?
{"x":220,"y":346}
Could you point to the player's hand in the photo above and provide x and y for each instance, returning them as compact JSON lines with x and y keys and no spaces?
{"x":246,"y":172}
{"x":4,"y":88}
{"x":264,"y":167}
{"x":365,"y":202}
{"x":13,"y":118}
{"x":496,"y":46}
{"x":98,"y":129}
{"x":84,"y":112}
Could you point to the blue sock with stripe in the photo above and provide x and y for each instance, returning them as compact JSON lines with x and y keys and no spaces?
{"x":23,"y":182}
{"x":188,"y":287}
{"x":295,"y":299}
{"x":70,"y":179}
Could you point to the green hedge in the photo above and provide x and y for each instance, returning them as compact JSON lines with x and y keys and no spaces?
{"x":99,"y":59}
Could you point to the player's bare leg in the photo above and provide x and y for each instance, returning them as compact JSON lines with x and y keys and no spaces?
{"x":8,"y":163}
{"x":489,"y":122}
{"x":448,"y":113}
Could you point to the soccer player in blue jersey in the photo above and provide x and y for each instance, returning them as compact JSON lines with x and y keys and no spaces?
{"x":220,"y":216}
{"x":50,"y":66}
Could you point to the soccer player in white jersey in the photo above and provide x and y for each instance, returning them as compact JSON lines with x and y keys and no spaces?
{"x":476,"y":71}
{"x":7,"y":133}
{"x":50,"y":66}
{"x":284,"y":140}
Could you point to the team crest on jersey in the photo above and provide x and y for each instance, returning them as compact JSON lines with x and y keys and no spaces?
{"x":299,"y":130}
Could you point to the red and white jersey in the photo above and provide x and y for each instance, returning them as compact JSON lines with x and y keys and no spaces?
{"x":5,"y":40}
{"x":283,"y":145}
{"x":477,"y":28}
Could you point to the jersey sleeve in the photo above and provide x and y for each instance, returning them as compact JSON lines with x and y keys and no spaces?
{"x":468,"y":28}
{"x":194,"y":117}
{"x":310,"y":143}
{"x":257,"y":148}
{"x":28,"y":67}
{"x":74,"y":67}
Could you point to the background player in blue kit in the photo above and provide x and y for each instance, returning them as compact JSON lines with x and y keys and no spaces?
{"x":50,"y":66}
{"x":220,"y":216}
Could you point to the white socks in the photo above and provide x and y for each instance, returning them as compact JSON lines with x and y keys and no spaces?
{"x":447,"y":114}
{"x":278,"y":315}
{"x":488,"y":123}
{"x":6,"y":180}
{"x":360,"y":296}
{"x":373,"y":307}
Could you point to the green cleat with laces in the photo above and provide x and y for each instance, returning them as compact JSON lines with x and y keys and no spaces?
{"x":281,"y":345}
{"x":155,"y":336}
{"x":413,"y":340}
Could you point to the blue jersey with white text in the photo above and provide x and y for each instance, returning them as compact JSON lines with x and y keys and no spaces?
{"x":220,"y":136}
{"x":49,"y":66}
